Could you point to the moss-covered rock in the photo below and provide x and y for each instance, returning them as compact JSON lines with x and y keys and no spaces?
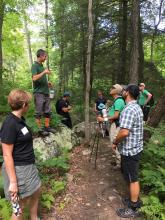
{"x":49,"y":146}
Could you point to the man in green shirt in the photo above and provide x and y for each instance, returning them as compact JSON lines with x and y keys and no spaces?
{"x":41,"y":92}
{"x":114,"y":114}
{"x":143,"y":100}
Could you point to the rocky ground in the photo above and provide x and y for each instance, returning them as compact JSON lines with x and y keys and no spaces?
{"x":92,"y":194}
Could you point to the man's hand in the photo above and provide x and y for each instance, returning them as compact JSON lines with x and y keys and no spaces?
{"x":50,"y":85}
{"x":114,"y":147}
{"x":47,"y":71}
{"x":69,"y":107}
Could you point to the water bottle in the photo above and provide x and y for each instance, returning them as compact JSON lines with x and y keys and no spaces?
{"x":105,"y":116}
{"x":52,"y":94}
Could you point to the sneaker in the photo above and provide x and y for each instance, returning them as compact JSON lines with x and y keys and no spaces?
{"x":127,"y":213}
{"x":127,"y":202}
{"x":49,"y":129}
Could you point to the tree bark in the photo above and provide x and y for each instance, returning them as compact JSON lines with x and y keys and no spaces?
{"x":2,"y":7}
{"x":47,"y":32}
{"x":27,"y":33}
{"x":155,"y":30}
{"x":123,"y":4}
{"x":133,"y":73}
{"x":157,"y":113}
{"x":88,"y":69}
{"x":141,"y":52}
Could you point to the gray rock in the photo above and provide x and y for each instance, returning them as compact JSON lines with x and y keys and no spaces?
{"x":79,"y":129}
{"x":51,"y":145}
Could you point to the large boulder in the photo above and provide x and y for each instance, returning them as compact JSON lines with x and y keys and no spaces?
{"x":50,"y":146}
{"x":79,"y":129}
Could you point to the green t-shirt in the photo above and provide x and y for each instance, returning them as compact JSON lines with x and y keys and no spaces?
{"x":118,"y":105}
{"x":40,"y":85}
{"x":143,"y":97}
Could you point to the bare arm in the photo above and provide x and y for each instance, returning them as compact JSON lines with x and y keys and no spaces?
{"x":95,"y":109}
{"x":66,"y":109}
{"x":114,"y":117}
{"x":148,"y":98}
{"x":38,"y":76}
{"x":123,"y":133}
{"x":9,"y":165}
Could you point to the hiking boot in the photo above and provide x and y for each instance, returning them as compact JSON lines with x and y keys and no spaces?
{"x":49,"y":129}
{"x":43,"y":133}
{"x":128,"y":213}
{"x":127,"y":202}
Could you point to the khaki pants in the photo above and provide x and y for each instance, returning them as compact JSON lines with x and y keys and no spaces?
{"x":113,"y":131}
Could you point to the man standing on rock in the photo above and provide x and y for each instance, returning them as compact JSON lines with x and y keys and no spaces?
{"x":130,"y":144}
{"x":41,"y":92}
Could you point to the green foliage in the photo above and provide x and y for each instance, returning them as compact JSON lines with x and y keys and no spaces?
{"x":153,"y":176}
{"x":59,"y":162}
{"x":47,"y":199}
{"x":153,"y":208}
{"x":58,"y":186}
{"x":5,"y":209}
{"x":55,"y":186}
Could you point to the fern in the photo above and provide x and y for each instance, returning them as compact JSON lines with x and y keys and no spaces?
{"x":58,"y":186}
{"x":47,"y":200}
{"x":5,"y":209}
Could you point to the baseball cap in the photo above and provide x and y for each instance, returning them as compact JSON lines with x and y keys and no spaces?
{"x":66,"y":94}
{"x":101,"y":106}
{"x":117,"y":89}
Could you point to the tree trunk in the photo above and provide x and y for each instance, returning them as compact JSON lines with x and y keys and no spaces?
{"x":141,"y":52}
{"x":157,"y":113}
{"x":133,"y":73}
{"x":27,"y":33}
{"x":61,"y":70}
{"x":88,"y":69}
{"x":155,"y":30}
{"x":2,"y":6}
{"x":123,"y":4}
{"x":47,"y":32}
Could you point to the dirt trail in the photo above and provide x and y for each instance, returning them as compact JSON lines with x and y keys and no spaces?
{"x":92,"y":194}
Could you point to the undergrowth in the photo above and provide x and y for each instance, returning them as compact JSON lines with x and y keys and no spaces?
{"x":153,"y":176}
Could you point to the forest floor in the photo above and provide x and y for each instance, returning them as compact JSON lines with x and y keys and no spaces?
{"x":91,"y":194}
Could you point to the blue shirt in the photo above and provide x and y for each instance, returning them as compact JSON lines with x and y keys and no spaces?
{"x":131,"y":118}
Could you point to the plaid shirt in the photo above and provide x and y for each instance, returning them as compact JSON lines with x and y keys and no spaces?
{"x":132,"y":119}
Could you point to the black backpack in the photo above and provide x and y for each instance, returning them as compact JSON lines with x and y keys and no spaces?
{"x":57,"y":106}
{"x":152,"y":101}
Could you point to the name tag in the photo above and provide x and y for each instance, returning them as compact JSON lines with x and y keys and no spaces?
{"x":24,"y":130}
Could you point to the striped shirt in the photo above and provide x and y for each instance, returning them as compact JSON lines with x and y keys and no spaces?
{"x":131,"y":118}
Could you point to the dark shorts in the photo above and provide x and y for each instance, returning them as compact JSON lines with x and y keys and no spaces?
{"x":42,"y":105}
{"x":130,"y":167}
{"x":27,"y":179}
{"x":146,"y":111}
